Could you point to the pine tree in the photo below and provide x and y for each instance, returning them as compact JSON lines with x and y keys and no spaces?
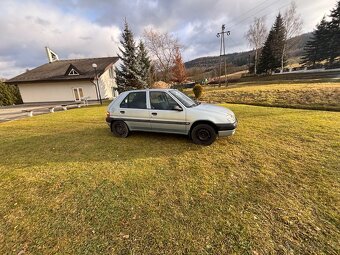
{"x":324,"y":44}
{"x":178,"y":71}
{"x":311,"y":52}
{"x":270,"y":58}
{"x":144,"y":64}
{"x":334,"y":34}
{"x":266,"y":56}
{"x":127,"y":76}
{"x":316,"y":49}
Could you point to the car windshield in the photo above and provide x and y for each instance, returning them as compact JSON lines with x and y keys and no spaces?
{"x":184,"y":99}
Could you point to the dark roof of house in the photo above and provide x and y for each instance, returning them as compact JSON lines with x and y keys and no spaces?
{"x":59,"y":70}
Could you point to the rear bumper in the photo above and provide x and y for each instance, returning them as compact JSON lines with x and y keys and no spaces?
{"x":109,"y":121}
{"x":226,"y":129}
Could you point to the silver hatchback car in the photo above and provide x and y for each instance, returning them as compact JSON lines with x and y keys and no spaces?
{"x":169,"y":111}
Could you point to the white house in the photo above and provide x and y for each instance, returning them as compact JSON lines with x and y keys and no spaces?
{"x":68,"y":80}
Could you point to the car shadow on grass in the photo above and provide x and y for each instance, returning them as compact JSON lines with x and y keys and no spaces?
{"x":92,"y":144}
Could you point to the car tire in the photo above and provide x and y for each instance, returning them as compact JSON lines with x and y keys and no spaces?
{"x":203,"y":134}
{"x":120,"y":129}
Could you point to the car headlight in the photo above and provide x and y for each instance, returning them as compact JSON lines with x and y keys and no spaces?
{"x":231,"y":118}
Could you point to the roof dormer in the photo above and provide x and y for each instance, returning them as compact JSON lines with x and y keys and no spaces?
{"x":72,"y":71}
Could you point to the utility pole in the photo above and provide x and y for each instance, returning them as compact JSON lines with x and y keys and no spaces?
{"x":222,"y":54}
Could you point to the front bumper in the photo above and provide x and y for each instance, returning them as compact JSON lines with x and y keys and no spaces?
{"x":226,"y":132}
{"x":226,"y":129}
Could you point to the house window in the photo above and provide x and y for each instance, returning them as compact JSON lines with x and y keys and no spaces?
{"x":78,"y":94}
{"x":73,"y":72}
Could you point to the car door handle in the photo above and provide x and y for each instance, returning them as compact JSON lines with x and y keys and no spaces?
{"x":122,"y":112}
{"x":154,"y":113}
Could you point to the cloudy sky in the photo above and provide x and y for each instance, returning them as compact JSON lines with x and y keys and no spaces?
{"x":91,"y":28}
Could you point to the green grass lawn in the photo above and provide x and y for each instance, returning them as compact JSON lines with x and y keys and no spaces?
{"x":308,"y":95}
{"x":67,"y":186}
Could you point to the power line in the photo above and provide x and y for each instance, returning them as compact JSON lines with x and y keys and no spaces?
{"x":252,"y":15}
{"x":243,"y":14}
{"x":243,"y":20}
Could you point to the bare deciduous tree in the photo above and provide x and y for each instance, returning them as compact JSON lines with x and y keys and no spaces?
{"x":162,"y":47}
{"x":256,"y":36}
{"x":293,"y":24}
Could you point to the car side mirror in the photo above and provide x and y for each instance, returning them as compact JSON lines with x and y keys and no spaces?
{"x":178,"y":108}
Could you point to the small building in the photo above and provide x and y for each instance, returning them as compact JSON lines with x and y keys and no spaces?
{"x":68,"y":80}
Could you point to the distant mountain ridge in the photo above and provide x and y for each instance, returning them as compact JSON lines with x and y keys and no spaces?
{"x":242,"y":58}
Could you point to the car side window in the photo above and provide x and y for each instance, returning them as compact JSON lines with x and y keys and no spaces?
{"x":162,"y":101}
{"x":135,"y":100}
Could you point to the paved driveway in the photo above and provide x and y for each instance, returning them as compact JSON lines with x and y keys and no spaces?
{"x":8,"y":113}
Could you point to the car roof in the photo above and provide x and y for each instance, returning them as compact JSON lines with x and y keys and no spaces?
{"x":142,"y":90}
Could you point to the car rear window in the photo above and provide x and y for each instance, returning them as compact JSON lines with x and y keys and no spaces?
{"x":136,"y":100}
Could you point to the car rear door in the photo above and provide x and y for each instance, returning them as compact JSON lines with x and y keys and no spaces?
{"x":167,"y":115}
{"x":133,"y":110}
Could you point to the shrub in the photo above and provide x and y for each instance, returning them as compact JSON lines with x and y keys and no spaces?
{"x":9,"y":94}
{"x":198,"y":90}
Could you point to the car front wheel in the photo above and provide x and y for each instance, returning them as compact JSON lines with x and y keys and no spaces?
{"x":203,"y":134}
{"x":120,"y":129}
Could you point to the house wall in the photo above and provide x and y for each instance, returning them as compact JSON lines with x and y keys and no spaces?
{"x":63,"y":90}
{"x":55,"y":91}
{"x":107,"y":84}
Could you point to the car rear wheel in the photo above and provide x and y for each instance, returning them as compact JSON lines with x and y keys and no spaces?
{"x":203,"y":134}
{"x":120,"y":129}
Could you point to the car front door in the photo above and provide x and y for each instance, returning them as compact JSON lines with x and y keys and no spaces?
{"x":166,"y":114}
{"x":133,"y":110}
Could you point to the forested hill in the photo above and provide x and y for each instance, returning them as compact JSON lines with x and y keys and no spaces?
{"x":241,"y":58}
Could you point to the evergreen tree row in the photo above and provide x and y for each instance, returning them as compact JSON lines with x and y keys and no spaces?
{"x":324,"y":44}
{"x":135,"y":63}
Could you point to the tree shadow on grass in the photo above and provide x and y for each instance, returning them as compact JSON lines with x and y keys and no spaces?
{"x":90,"y":145}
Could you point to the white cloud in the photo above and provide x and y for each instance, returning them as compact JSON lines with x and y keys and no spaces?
{"x":28,"y":27}
{"x":90,"y":28}
{"x":7,"y":68}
